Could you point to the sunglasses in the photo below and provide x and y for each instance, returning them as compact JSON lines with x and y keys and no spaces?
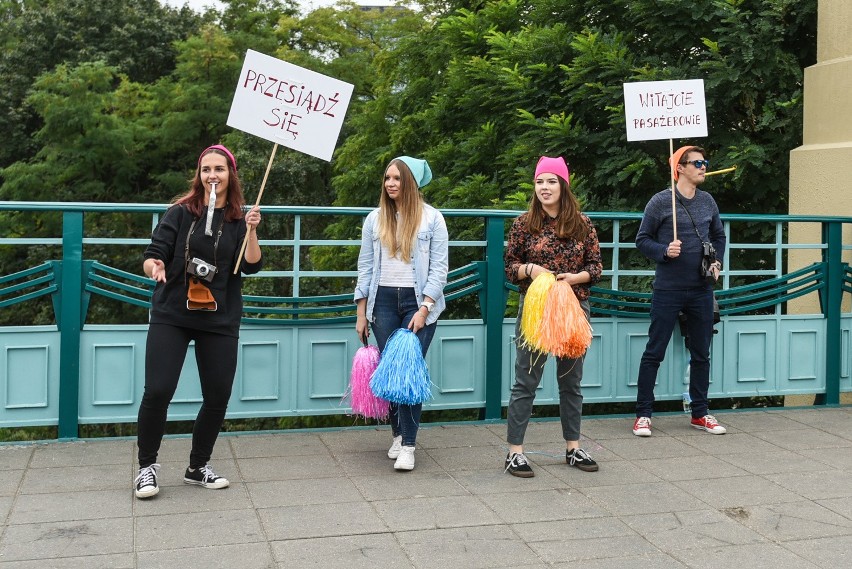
{"x":698,"y":163}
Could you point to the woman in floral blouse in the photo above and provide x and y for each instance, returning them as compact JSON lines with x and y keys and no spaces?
{"x":553,"y":236}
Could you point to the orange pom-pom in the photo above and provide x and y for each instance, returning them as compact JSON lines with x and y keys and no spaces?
{"x":565,"y":329}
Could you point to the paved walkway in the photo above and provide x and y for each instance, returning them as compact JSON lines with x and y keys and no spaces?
{"x":775,"y":492}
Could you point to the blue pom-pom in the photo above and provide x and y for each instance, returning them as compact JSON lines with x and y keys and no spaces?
{"x":402,"y":376}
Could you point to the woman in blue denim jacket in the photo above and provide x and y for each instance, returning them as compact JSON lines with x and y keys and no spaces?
{"x":402,"y":270}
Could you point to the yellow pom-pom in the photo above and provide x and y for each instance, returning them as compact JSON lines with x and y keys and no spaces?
{"x":533,"y":313}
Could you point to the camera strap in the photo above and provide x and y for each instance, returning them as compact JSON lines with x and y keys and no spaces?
{"x":187,"y":256}
{"x":694,"y":227}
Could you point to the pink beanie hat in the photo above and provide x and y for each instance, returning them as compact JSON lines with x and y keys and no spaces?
{"x":550,"y":165}
{"x":221,"y":148}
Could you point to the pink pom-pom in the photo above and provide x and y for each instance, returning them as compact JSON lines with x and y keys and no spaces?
{"x":364,"y":403}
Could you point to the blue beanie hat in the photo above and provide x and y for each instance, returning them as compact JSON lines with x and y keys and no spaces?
{"x":419,"y":169}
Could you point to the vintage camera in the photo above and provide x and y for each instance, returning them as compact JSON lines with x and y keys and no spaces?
{"x":201,"y":269}
{"x":708,"y":257}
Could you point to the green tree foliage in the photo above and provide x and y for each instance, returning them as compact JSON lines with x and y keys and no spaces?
{"x":133,"y":36}
{"x":490,"y":86}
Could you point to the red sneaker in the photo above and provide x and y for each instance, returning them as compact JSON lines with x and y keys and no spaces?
{"x":708,"y":423}
{"x":642,"y":427}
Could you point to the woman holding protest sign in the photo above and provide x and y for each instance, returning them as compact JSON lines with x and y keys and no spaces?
{"x":402,"y":270}
{"x":554,"y":236}
{"x":197,"y":298}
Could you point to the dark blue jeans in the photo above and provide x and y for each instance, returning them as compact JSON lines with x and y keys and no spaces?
{"x":394,"y":309}
{"x":697,"y":304}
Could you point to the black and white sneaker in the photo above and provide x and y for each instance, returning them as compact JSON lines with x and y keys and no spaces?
{"x":146,"y":481}
{"x":581,"y":459}
{"x":205,"y":476}
{"x":517,"y":465}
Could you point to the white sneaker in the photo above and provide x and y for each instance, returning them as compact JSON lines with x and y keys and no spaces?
{"x":393,"y":451}
{"x":405,"y":460}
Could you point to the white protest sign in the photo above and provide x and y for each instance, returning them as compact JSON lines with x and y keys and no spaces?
{"x":289,"y":105}
{"x":665,"y":109}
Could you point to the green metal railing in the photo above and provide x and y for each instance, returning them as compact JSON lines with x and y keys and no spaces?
{"x":71,"y":281}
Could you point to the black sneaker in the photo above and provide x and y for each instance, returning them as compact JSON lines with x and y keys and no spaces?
{"x":517,"y":465}
{"x":581,"y":459}
{"x":146,"y":482}
{"x":205,"y":476}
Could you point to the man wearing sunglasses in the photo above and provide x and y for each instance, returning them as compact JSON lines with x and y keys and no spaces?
{"x":680,"y":283}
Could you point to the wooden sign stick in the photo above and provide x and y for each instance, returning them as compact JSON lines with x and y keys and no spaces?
{"x":674,"y":206}
{"x":257,"y":203}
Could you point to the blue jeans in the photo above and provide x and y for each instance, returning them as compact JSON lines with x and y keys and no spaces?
{"x":394,"y":309}
{"x":697,"y":304}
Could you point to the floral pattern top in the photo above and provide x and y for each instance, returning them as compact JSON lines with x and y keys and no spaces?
{"x":560,"y":255}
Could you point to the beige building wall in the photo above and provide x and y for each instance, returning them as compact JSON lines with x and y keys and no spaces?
{"x":815,"y":187}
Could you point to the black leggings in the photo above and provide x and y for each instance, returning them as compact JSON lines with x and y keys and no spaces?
{"x":216,"y":356}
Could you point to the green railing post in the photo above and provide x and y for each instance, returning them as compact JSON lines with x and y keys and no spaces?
{"x":495,"y":308}
{"x":833,"y":237}
{"x":70,"y":323}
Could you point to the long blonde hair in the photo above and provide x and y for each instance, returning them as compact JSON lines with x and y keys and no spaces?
{"x":398,"y":238}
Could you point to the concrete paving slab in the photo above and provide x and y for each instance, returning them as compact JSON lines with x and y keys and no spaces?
{"x":650,"y":498}
{"x":592,"y":528}
{"x":760,"y":421}
{"x":673,"y":531}
{"x":466,"y":548}
{"x":285,"y":444}
{"x":15,"y":457}
{"x":82,"y":453}
{"x":120,"y":561}
{"x":289,"y":468}
{"x":653,"y":561}
{"x":588,"y":548}
{"x":10,"y":480}
{"x":656,"y":446}
{"x":67,"y":539}
{"x":272,"y":494}
{"x":794,"y":521}
{"x":687,"y":468}
{"x":737,"y":491}
{"x":186,"y":498}
{"x":732,"y":443}
{"x":358,"y":440}
{"x":458,"y":436}
{"x":408,"y":484}
{"x":842,"y":506}
{"x":197,"y":529}
{"x":177,"y":449}
{"x":5,"y":508}
{"x":826,"y":553}
{"x":805,"y":438}
{"x":496,"y":481}
{"x":408,"y":514}
{"x":612,"y":472}
{"x":332,"y":499}
{"x":321,"y":520}
{"x":753,"y":556}
{"x":346,"y":552}
{"x":816,"y":485}
{"x":69,"y":506}
{"x":543,"y":506}
{"x":76,"y":479}
{"x":377,"y":463}
{"x":841,"y":460}
{"x":242,"y":555}
{"x":771,"y":462}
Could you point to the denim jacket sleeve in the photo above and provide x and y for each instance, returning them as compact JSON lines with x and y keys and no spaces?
{"x":438,"y":257}
{"x":365,"y":257}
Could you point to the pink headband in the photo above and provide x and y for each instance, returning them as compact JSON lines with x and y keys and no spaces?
{"x":548,"y":165}
{"x":223,"y":149}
